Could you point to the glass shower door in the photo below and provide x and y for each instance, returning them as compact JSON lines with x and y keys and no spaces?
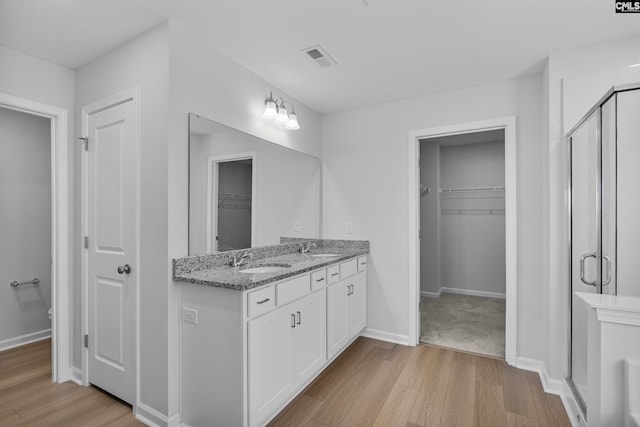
{"x":586,"y":214}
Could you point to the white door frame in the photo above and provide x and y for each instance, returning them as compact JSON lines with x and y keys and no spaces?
{"x":60,"y":251}
{"x":129,"y":95}
{"x":212,"y":195}
{"x":509,"y":126}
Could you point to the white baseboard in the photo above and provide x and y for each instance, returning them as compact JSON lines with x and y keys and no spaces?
{"x":431,"y":294}
{"x":153,"y":418}
{"x":471,"y":292}
{"x":553,"y":386}
{"x":76,"y":375}
{"x":550,"y":385}
{"x":385,"y":336}
{"x":25,"y":339}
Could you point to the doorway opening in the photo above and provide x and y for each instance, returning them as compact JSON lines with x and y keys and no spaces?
{"x":462,"y":245}
{"x":41,"y":191}
{"x":230,"y":202}
{"x":469,"y":193}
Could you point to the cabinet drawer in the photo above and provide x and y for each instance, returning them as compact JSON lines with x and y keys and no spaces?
{"x":333,"y":274}
{"x":292,"y":289}
{"x":318,"y":279}
{"x":348,"y":268}
{"x":362,"y":263}
{"x":261,"y":301}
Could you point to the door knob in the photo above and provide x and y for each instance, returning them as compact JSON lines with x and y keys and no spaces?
{"x":124,"y":269}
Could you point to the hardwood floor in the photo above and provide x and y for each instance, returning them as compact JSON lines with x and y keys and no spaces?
{"x":374,"y":383}
{"x":29,"y":398}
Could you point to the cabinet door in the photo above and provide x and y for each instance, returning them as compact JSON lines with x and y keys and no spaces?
{"x":310,"y":341}
{"x":270,"y":354}
{"x":357,"y":304}
{"x":337,"y":320}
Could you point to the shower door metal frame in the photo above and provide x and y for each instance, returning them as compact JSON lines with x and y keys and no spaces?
{"x":598,"y":282}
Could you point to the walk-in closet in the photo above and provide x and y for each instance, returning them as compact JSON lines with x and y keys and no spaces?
{"x":462,"y":242}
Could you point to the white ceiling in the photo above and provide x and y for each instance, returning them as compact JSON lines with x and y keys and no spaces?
{"x":385,"y":49}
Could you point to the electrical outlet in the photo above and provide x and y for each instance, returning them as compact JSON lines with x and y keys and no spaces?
{"x":348,"y":227}
{"x":297,"y":226}
{"x":189,"y":315}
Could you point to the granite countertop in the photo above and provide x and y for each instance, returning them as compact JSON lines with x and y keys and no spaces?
{"x":213,"y":269}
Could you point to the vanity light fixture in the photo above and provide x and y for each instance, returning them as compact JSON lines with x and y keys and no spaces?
{"x":277,"y":110}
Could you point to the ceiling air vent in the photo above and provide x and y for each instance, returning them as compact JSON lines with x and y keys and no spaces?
{"x":321,"y":57}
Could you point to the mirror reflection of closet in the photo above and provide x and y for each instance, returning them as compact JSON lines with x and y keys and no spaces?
{"x":233,"y":206}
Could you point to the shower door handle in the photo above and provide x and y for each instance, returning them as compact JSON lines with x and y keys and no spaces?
{"x":608,"y":279}
{"x":582,"y":259}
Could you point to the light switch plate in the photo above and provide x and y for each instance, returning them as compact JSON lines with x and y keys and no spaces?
{"x":190,"y":315}
{"x":348,"y":227}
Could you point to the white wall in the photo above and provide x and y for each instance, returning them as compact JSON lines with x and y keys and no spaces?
{"x":364,"y":153}
{"x":34,"y":79}
{"x":430,"y":218}
{"x":563,"y":68}
{"x":25,"y":221}
{"x":473,"y":244}
{"x":143,"y":62}
{"x":205,"y":82}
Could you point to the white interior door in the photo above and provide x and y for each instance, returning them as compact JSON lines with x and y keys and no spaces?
{"x":111,"y":226}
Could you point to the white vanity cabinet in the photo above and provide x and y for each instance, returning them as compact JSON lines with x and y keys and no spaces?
{"x":346,"y":306}
{"x":246,"y":354}
{"x":286,"y":347}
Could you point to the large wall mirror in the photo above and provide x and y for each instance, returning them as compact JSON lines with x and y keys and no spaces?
{"x":245,"y":191}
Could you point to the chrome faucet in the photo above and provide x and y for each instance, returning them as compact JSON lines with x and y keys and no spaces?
{"x":237,"y":262}
{"x":306,"y":249}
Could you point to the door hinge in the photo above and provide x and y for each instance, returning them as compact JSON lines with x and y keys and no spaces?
{"x":86,"y":341}
{"x":85,"y":141}
{"x":86,"y":242}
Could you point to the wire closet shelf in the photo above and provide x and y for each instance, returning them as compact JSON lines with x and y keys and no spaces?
{"x":472,"y":201}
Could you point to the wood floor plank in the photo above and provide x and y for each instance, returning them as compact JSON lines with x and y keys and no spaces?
{"x":429,"y":404}
{"x":341,"y":397}
{"x":414,"y":371}
{"x":460,"y":401}
{"x":400,"y":354}
{"x":367,"y":406}
{"x":515,"y":420}
{"x":489,"y":405}
{"x":298,"y":413}
{"x":29,"y":398}
{"x":549,"y":408}
{"x":340,"y":370}
{"x":489,"y":370}
{"x":397,"y":408}
{"x":518,"y":398}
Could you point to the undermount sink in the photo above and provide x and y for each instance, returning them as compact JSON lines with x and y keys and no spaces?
{"x":324,"y":255}
{"x":268,"y":268}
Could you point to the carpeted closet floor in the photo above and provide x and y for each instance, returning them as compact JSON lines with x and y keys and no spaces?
{"x":464,"y":322}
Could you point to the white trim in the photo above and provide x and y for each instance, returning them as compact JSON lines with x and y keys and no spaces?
{"x":509,"y":126}
{"x":25,"y":339}
{"x":76,"y":375}
{"x":377,"y":334}
{"x":431,"y":294}
{"x":151,"y":417}
{"x":553,"y":386}
{"x":60,"y":251}
{"x":129,"y":95}
{"x":471,"y":292}
{"x":211,"y":226}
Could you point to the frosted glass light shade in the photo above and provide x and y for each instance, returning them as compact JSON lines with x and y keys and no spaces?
{"x":283,"y":115}
{"x":292,"y":123}
{"x":270,"y":111}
